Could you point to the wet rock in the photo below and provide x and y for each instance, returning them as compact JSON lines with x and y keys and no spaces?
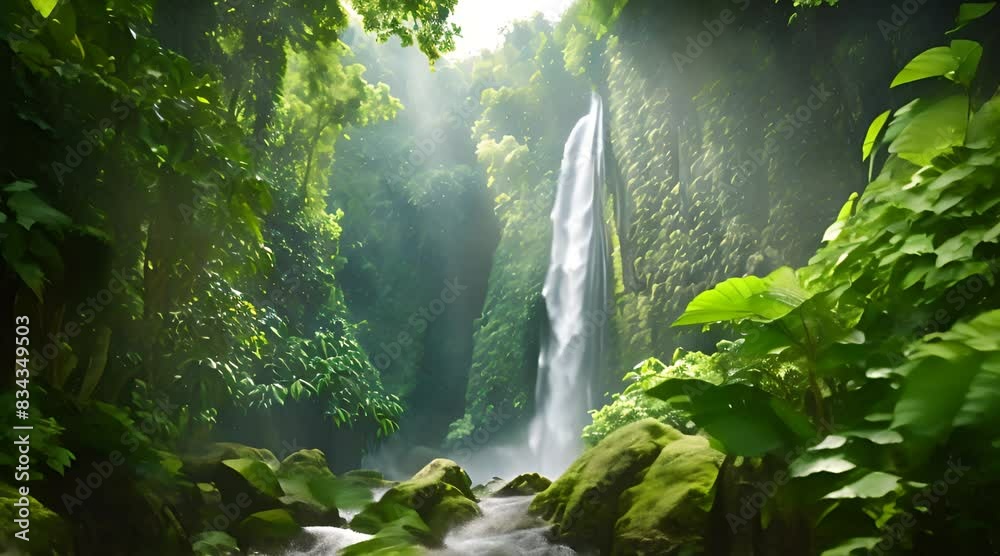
{"x":488,"y":489}
{"x":309,"y":489}
{"x":524,"y":485}
{"x":440,"y":493}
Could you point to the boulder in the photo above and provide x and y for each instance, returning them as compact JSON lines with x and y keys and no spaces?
{"x":670,"y":507}
{"x":524,"y":485}
{"x":310,"y":489}
{"x":201,"y":464}
{"x":440,"y":493}
{"x":488,"y":489}
{"x":367,"y":477}
{"x":583,"y":504}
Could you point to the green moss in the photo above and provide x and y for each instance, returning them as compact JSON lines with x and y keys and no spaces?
{"x":524,"y":485}
{"x":311,"y":491}
{"x":440,"y":493}
{"x":202,"y":464}
{"x":670,"y":507}
{"x":583,"y":503}
{"x":48,"y":532}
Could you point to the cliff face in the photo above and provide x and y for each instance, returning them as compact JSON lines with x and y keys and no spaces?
{"x":736,"y":131}
{"x":738,"y":136}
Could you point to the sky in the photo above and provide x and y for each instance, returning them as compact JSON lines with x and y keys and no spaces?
{"x":483,"y":21}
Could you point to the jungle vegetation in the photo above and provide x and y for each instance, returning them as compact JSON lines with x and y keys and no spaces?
{"x":235,"y":220}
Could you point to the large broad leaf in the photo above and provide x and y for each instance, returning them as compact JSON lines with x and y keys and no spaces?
{"x":814,"y":462}
{"x":760,"y":299}
{"x":853,"y":546}
{"x":30,"y":208}
{"x":968,"y":54}
{"x":953,"y":380}
{"x":873,"y":485}
{"x":969,"y":12}
{"x":746,"y":420}
{"x":984,"y":128}
{"x":44,"y":7}
{"x":937,"y":127}
{"x":958,"y":62}
{"x":936,"y":62}
{"x":873,"y":132}
{"x":257,"y":473}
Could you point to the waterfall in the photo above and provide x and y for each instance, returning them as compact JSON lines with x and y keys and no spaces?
{"x":576,"y":299}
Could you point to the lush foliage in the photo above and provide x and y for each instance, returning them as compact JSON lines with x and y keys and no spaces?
{"x":163,"y":218}
{"x":893,"y":325}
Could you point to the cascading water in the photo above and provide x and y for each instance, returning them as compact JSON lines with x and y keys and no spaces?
{"x":576,"y":298}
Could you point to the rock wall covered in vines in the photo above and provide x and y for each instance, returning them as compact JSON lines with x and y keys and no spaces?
{"x":738,"y":136}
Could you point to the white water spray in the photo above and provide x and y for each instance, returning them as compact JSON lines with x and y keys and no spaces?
{"x":576,"y":298}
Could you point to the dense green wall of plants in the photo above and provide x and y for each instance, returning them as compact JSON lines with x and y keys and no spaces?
{"x":737,"y":128}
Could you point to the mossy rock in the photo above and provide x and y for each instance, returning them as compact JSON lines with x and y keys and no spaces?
{"x":488,"y":489}
{"x":440,"y":493}
{"x":267,"y":530}
{"x":244,"y":475}
{"x":305,"y":462}
{"x":524,"y":485}
{"x":202,"y":464}
{"x":670,"y":507}
{"x":310,"y":489}
{"x":446,"y":471}
{"x":583,"y":504}
{"x":48,"y":532}
{"x":368,"y":477}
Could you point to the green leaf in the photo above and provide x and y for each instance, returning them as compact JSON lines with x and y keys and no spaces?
{"x":30,"y":208}
{"x":32,"y":276}
{"x":876,"y":436}
{"x":938,"y":127}
{"x":16,"y":186}
{"x":852,"y":546}
{"x":833,"y":232}
{"x":44,"y":7}
{"x":873,"y":132}
{"x":746,"y":420}
{"x":873,"y":485}
{"x":811,"y":463}
{"x":952,"y":380}
{"x":969,"y":12}
{"x":935,"y":62}
{"x":983,"y":127}
{"x":760,"y":299}
{"x":968,"y":54}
